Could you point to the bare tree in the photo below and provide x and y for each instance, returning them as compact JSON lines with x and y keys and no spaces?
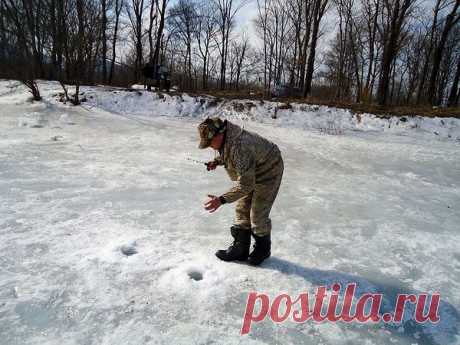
{"x":450,"y":21}
{"x":304,"y":41}
{"x":320,"y":8}
{"x":261,"y":24}
{"x":33,"y":89}
{"x":277,"y":26}
{"x":241,"y":49}
{"x":347,"y":64}
{"x":118,"y":7}
{"x":237,"y":57}
{"x":153,"y":15}
{"x":227,"y":10}
{"x":183,"y":21}
{"x":371,"y":13}
{"x":395,"y":14}
{"x":429,"y":50}
{"x":411,"y":54}
{"x":205,"y":34}
{"x":162,"y":11}
{"x":135,"y":11}
{"x":455,"y":92}
{"x":104,"y":39}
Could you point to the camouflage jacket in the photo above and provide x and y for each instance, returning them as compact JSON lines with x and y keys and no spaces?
{"x":249,"y":159}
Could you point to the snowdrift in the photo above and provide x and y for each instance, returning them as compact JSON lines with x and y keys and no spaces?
{"x":142,"y":103}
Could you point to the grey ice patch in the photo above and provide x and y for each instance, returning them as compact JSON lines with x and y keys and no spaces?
{"x":33,"y":120}
{"x":35,"y":315}
{"x":66,"y":118}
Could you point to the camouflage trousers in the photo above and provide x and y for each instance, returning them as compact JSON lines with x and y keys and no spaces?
{"x":253,"y":210}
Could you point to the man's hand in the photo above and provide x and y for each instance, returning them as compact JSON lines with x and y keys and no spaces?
{"x":212,"y":165}
{"x":213,"y":204}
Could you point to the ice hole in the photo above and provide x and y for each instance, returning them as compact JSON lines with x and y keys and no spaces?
{"x":195,"y":275}
{"x":128,"y":250}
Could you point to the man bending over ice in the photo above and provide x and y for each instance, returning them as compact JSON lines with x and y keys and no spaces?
{"x":256,"y":166}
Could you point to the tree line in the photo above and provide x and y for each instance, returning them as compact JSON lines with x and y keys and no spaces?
{"x":399,"y":52}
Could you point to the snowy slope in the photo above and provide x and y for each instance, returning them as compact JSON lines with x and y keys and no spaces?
{"x":311,"y":117}
{"x":102,"y":225}
{"x":303,"y":116}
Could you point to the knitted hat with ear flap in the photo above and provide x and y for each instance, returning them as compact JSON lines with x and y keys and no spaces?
{"x":208,"y":129}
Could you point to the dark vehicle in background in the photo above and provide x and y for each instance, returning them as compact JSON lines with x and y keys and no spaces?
{"x":156,"y":77}
{"x":285,"y":90}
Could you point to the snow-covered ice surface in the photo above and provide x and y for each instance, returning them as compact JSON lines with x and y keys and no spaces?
{"x":104,"y":240}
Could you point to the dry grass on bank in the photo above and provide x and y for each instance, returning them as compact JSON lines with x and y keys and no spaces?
{"x":407,"y":110}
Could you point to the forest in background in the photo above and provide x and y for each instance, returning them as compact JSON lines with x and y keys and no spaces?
{"x":380,"y":52}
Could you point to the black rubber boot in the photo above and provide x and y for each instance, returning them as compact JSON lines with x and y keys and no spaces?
{"x":261,"y":249}
{"x":239,"y":249}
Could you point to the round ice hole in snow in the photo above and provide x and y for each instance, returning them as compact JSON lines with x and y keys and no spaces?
{"x":195,"y":275}
{"x":128,"y":250}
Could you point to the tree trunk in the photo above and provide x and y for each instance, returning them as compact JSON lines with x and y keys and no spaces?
{"x":311,"y":59}
{"x":372,"y":33}
{"x":52,"y":13}
{"x":61,"y":37}
{"x":384,"y":80}
{"x":451,"y":19}
{"x":204,"y":77}
{"x":306,"y":39}
{"x":428,"y":53}
{"x":320,"y":7}
{"x":104,"y":40}
{"x":159,"y":34}
{"x":118,"y":7}
{"x":453,"y":97}
{"x":398,"y":16}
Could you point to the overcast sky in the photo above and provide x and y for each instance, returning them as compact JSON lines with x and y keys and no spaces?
{"x":244,"y":20}
{"x":245,"y":17}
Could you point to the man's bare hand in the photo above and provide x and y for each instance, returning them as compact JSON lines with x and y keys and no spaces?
{"x":211,"y":165}
{"x":213,"y":204}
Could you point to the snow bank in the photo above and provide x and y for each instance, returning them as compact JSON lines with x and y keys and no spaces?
{"x":140,"y":103}
{"x":308,"y":117}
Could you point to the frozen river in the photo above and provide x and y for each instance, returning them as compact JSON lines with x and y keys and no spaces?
{"x":104,"y":239}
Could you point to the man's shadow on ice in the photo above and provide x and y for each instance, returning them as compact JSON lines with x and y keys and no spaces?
{"x":442,"y":333}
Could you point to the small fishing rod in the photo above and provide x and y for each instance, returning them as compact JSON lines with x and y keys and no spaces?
{"x":197,"y":161}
